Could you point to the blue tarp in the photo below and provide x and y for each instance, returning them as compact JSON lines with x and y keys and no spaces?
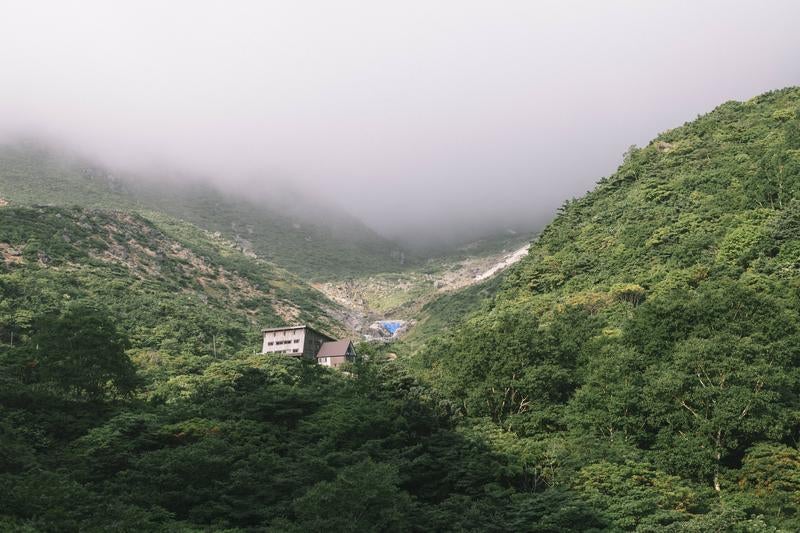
{"x":391,"y":326}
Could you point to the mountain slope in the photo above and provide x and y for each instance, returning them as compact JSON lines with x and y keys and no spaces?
{"x":172,"y":288}
{"x":314,"y":241}
{"x":713,"y":194}
{"x":652,"y":332}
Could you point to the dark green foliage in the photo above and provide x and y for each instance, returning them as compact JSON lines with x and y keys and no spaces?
{"x":252,"y":443}
{"x":531,"y":375}
{"x":770,"y":482}
{"x":79,"y":350}
{"x":363,"y":497}
{"x":551,"y":511}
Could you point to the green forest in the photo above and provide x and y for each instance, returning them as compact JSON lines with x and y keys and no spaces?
{"x":639,"y":370}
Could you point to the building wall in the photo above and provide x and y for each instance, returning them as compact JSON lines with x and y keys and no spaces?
{"x":287,"y":341}
{"x":333,"y":361}
{"x":293,"y":341}
{"x":313,"y":342}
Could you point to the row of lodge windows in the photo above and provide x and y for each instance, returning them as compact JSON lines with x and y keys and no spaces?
{"x":283,"y":342}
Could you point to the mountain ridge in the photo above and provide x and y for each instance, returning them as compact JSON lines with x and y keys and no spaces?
{"x":652,"y":332}
{"x":315,"y":241}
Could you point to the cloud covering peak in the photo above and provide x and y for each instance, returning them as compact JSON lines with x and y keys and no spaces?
{"x":458,"y":116}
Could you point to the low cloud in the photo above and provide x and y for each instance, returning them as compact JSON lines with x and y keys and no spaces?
{"x":424,"y":119}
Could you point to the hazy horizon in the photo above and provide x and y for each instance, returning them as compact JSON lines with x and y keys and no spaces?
{"x":423,"y":120}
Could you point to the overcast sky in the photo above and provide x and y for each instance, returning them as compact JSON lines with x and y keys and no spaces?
{"x":417,"y":116}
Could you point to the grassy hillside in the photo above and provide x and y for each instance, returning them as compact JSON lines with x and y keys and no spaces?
{"x":172,"y":288}
{"x":316,"y":242}
{"x":645,"y":356}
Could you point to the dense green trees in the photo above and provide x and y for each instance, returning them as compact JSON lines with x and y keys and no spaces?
{"x":78,"y":350}
{"x":363,"y":497}
{"x":770,"y":477}
{"x":250,"y":443}
{"x":505,"y":364}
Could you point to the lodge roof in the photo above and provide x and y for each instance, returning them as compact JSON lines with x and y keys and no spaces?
{"x":335,"y":348}
{"x":265,"y":330}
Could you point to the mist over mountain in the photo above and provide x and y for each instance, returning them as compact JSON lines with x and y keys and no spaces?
{"x":429,"y":122}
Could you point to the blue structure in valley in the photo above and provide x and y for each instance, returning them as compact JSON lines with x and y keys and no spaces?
{"x":391,"y":326}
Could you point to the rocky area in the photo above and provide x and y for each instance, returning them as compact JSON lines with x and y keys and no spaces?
{"x":372,"y":302}
{"x":507,"y":261}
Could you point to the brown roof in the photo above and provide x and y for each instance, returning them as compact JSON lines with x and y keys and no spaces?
{"x":282,"y":328}
{"x":332,"y":349}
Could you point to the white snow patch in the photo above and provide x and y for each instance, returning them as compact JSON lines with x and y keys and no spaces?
{"x":506,"y":262}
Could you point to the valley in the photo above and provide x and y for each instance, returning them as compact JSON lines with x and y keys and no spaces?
{"x":370,"y":278}
{"x":400,"y":296}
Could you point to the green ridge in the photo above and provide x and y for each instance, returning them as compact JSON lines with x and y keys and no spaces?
{"x":318,"y":243}
{"x":645,"y":356}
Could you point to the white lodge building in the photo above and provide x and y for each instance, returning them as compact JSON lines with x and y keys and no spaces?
{"x":304,"y":341}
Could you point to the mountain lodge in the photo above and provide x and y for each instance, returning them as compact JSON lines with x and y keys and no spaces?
{"x":305,"y":341}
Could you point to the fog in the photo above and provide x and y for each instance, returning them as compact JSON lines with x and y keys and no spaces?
{"x":424,"y":119}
